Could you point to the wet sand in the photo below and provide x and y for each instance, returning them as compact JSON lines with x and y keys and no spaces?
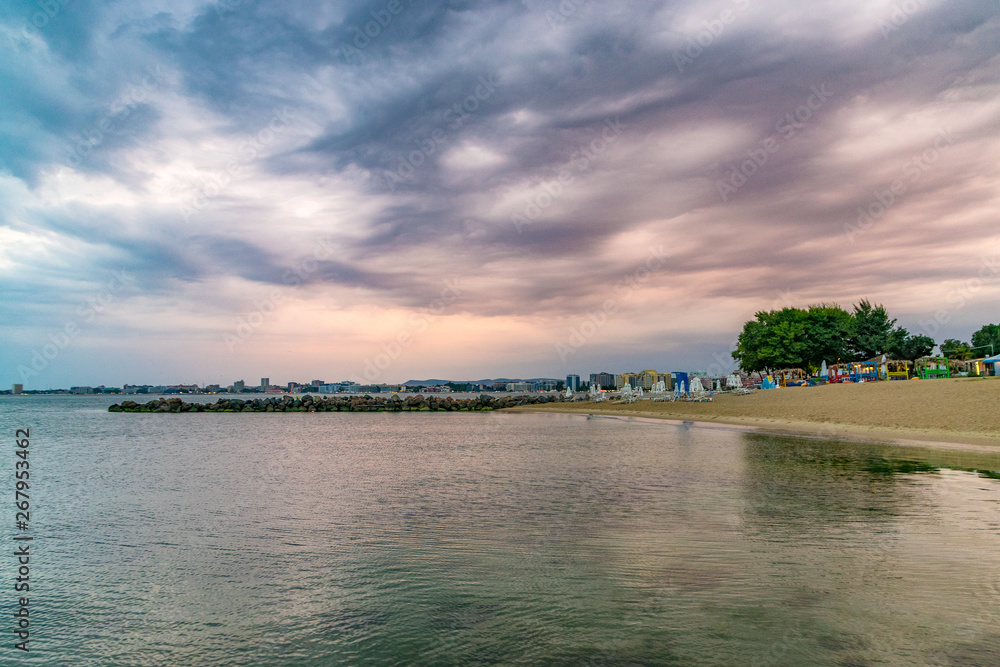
{"x":957,"y":410}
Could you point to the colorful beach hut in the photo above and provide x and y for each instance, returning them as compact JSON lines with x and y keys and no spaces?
{"x":865,"y":371}
{"x":965,"y":367}
{"x":927,"y":368}
{"x":990,"y":365}
{"x":839,"y":373}
{"x":790,"y":377}
{"x":898,"y":369}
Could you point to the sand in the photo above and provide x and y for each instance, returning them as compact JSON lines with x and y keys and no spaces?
{"x":956,"y":410}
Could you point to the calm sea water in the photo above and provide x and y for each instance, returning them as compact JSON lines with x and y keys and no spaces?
{"x":464,"y":538}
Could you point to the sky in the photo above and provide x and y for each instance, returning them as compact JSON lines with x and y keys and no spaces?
{"x":393,"y":190}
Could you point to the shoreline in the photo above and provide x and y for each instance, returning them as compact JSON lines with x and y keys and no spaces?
{"x":956,"y":411}
{"x":788,"y":427}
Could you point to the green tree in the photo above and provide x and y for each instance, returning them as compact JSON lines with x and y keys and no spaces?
{"x":871,"y":331}
{"x":953,"y":348}
{"x":775,"y":339}
{"x":828,"y":328}
{"x":910,"y":347}
{"x":988,"y":335}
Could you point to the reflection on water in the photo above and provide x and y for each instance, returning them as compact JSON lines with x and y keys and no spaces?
{"x":225,"y":539}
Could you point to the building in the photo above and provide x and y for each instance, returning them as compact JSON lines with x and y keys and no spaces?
{"x":17,"y":389}
{"x":989,"y":366}
{"x":213,"y":389}
{"x":518,"y":386}
{"x":573,"y":382}
{"x":348,"y":387}
{"x":603,"y":381}
{"x":544,"y":385}
{"x":647,"y":379}
{"x":239,"y":386}
{"x":81,"y":390}
{"x":265,"y":384}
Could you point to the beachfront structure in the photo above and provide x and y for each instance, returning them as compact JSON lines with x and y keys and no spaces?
{"x":927,"y":368}
{"x":897,"y":369}
{"x":990,"y":365}
{"x":646,"y":379}
{"x":839,"y":373}
{"x":864,"y":371}
{"x":789,"y":375}
{"x":967,"y":367}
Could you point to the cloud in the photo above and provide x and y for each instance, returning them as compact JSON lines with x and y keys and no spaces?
{"x":535,"y":151}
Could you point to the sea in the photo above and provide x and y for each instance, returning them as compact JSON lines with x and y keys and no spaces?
{"x":488,"y":539}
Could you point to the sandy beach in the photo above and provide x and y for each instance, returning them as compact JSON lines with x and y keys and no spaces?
{"x":957,"y":410}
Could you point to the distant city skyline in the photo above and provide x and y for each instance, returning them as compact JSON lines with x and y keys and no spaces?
{"x":217,"y":190}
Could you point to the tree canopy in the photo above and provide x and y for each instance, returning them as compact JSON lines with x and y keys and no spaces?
{"x":984,"y":338}
{"x":912,"y":347}
{"x":793,"y":337}
{"x":872,"y":333}
{"x":806,"y":337}
{"x":952,"y":348}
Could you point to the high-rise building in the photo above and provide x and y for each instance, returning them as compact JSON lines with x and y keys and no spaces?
{"x":602,"y":380}
{"x":646,"y":379}
{"x":239,"y":386}
{"x":17,"y":389}
{"x":265,"y":383}
{"x":573,"y":382}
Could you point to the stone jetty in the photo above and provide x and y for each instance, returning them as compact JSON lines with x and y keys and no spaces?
{"x":307,"y":403}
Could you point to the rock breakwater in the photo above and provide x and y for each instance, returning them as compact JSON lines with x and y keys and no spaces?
{"x":307,"y":403}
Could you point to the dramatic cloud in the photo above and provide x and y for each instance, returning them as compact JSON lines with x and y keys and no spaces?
{"x":208,"y":191}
